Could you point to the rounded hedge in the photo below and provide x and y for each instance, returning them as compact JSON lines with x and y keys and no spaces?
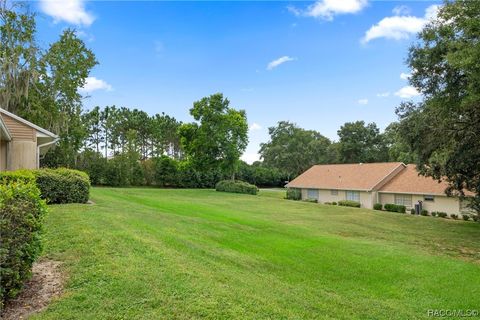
{"x":236,"y":186}
{"x":63,"y":185}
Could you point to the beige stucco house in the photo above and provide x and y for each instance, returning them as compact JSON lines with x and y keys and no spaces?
{"x":370,"y":183}
{"x":22,"y":143}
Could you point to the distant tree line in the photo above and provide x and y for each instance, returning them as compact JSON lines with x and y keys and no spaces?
{"x":294,"y":149}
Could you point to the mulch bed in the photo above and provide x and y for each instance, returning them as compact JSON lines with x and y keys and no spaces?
{"x":46,"y":283}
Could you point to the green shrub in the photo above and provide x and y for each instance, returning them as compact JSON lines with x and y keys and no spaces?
{"x":442,"y":214}
{"x":395,"y":208}
{"x":378,"y":206}
{"x":334,"y":203}
{"x":63,"y":185}
{"x":294,"y":194}
{"x":465,"y":217}
{"x":434,"y":213}
{"x":424,"y":212}
{"x":454,"y":216}
{"x":26,"y":176}
{"x":476,"y":218}
{"x":328,"y":203}
{"x":311,"y":200}
{"x":21,"y":214}
{"x":349,"y":203}
{"x":236,"y":186}
{"x":412,"y":211}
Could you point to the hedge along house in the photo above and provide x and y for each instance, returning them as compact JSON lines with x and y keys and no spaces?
{"x":370,"y":183}
{"x":22,"y":143}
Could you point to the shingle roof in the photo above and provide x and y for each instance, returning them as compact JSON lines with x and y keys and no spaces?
{"x":345,"y":176}
{"x":408,"y":181}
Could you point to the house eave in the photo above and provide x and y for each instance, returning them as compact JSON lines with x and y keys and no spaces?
{"x":28,"y":123}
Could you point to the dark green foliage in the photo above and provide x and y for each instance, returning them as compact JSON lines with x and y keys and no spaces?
{"x":442,"y":214}
{"x":311,"y":200}
{"x":236,"y":187}
{"x":94,"y":164}
{"x":63,"y":185}
{"x":294,"y":149}
{"x":424,"y":212}
{"x":261,"y":175}
{"x":454,"y":216}
{"x":294,"y":194}
{"x":166,"y":172}
{"x":395,"y":208}
{"x":475,"y":218}
{"x":360,"y":142}
{"x":442,"y":130}
{"x":378,"y":206}
{"x":434,"y":213}
{"x":334,"y":203}
{"x":349,"y":203}
{"x":465,"y":217}
{"x":21,"y":214}
{"x":412,"y":211}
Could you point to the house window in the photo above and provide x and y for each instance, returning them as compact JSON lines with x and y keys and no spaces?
{"x":428,"y":198}
{"x":312,"y":194}
{"x":403,"y":200}
{"x":353,"y":196}
{"x":334,"y":192}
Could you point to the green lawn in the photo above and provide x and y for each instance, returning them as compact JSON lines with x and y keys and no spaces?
{"x":186,"y":254}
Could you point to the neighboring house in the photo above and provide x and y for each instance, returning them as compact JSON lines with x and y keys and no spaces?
{"x":22,"y":143}
{"x":370,"y":183}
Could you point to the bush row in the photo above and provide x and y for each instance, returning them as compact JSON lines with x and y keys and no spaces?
{"x":56,"y":185}
{"x":21,"y":214}
{"x":349,"y":203}
{"x":395,"y":208}
{"x":236,"y":186}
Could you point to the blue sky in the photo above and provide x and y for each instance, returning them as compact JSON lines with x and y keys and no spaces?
{"x":318,"y":64}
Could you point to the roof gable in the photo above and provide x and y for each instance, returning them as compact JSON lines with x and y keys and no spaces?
{"x":28,"y":123}
{"x":409,"y":181}
{"x":359,"y":176}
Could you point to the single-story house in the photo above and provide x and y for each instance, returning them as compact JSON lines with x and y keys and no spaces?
{"x":370,"y":183}
{"x":22,"y":143}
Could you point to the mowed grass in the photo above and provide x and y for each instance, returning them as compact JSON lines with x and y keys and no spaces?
{"x":191,"y":254}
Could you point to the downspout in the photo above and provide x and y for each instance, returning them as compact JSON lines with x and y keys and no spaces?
{"x":8,"y":165}
{"x":41,"y":146}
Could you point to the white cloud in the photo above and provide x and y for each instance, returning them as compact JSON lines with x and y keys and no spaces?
{"x":405,"y":76}
{"x":383,"y":94}
{"x":93,"y":84}
{"x":407,"y":92}
{"x":327,"y":9}
{"x":250,"y":157}
{"x":71,"y":11}
{"x":401,"y":10}
{"x":399,"y":27}
{"x":363,"y":101}
{"x":255,"y":127}
{"x":279,"y":61}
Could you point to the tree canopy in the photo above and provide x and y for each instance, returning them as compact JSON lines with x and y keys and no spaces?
{"x":218,"y":138}
{"x":443,"y":130}
{"x":360,"y":142}
{"x":294,"y":149}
